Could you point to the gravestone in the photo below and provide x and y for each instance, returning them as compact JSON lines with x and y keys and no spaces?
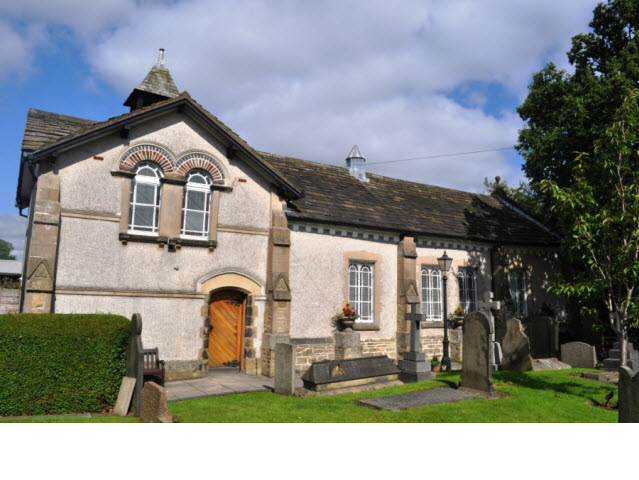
{"x":335,"y":374}
{"x":486,"y":306}
{"x":544,"y":337}
{"x":579,"y":355}
{"x":628,"y":396}
{"x":478,"y":354}
{"x":155,"y":408}
{"x":124,"y":396}
{"x":284,"y":381}
{"x":135,"y":363}
{"x":516,"y":348}
{"x":414,"y":367}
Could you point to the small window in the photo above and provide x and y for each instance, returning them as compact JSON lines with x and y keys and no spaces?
{"x":360,"y":290}
{"x":432,"y":293}
{"x":518,"y":292}
{"x":467,"y":289}
{"x":144,"y":213}
{"x":196,"y":205}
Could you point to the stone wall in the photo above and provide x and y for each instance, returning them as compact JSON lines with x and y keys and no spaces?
{"x":309,"y":350}
{"x":9,"y":300}
{"x":379,"y":346}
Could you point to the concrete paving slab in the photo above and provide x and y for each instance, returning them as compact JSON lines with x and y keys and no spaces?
{"x":435,"y":396}
{"x":218,"y":382}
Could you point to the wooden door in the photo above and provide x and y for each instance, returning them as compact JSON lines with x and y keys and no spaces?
{"x":225,"y":332}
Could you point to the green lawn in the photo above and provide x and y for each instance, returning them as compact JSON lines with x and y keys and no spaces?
{"x":547,"y":396}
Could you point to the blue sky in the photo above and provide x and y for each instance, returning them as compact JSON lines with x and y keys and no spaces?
{"x":300,"y":79}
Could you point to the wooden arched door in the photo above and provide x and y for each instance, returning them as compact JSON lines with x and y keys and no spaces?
{"x":226,"y":318}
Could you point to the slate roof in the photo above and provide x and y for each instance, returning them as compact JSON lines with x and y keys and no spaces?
{"x":11,"y":267}
{"x":159,"y":82}
{"x":333,"y":196}
{"x":43,"y":128}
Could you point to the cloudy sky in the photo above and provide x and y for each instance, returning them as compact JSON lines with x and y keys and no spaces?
{"x":401,"y":79}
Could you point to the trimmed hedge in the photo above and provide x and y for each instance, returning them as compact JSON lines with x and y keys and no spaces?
{"x":57,"y":363}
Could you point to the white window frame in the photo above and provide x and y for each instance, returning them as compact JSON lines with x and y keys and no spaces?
{"x":157,"y":195}
{"x":432,"y":301}
{"x":361,"y":280}
{"x":519,"y":292}
{"x":200,"y":188}
{"x":467,"y":278}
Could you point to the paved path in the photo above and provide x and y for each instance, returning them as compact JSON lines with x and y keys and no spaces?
{"x":218,"y":382}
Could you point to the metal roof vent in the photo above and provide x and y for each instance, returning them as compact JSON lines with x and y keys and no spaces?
{"x":355,"y":163}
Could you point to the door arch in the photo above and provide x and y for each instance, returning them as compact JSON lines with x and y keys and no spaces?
{"x":226,"y":327}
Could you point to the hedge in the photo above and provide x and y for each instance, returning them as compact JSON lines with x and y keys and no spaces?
{"x":57,"y":363}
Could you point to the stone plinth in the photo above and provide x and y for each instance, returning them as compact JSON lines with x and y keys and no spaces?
{"x":284,"y":382}
{"x":415,"y":368}
{"x":347,"y":345}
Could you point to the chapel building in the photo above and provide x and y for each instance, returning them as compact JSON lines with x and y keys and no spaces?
{"x":226,"y":251}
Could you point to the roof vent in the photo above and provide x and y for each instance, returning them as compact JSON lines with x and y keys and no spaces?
{"x":355,"y":163}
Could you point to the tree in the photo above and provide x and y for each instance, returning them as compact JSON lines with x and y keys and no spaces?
{"x":565,"y":113}
{"x":522,"y":195}
{"x":5,"y":250}
{"x":600,"y":210}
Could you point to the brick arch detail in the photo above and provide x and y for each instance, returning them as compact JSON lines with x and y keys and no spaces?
{"x":148,"y":153}
{"x":203,"y":161}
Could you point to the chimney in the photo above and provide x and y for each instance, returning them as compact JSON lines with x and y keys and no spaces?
{"x":355,"y":163}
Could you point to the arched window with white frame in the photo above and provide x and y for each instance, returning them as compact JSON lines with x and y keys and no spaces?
{"x":432,"y":294}
{"x":196,"y":204}
{"x":144,"y":211}
{"x":360,"y":290}
{"x":467,"y":289}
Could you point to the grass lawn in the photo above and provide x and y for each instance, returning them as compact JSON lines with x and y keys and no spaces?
{"x":546,"y":396}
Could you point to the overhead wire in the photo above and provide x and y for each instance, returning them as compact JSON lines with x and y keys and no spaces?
{"x":439,"y":156}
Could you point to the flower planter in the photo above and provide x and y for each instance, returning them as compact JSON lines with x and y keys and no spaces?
{"x":437,"y":368}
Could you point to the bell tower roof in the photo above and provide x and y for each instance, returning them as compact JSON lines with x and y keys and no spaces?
{"x":157,"y":86}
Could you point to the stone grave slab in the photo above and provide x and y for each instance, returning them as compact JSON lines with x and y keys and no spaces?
{"x":478,"y":356}
{"x":516,"y":348}
{"x":579,"y":355}
{"x":124,"y":396}
{"x":549,"y":364}
{"x":435,"y":396}
{"x":628,"y":396}
{"x":335,"y":374}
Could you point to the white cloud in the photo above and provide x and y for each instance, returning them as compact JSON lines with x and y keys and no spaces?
{"x":312,"y":79}
{"x":12,"y":230}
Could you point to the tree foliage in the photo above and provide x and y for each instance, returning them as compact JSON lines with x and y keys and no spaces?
{"x":522,"y":194}
{"x":566,"y":113}
{"x":5,"y":250}
{"x":600,"y":212}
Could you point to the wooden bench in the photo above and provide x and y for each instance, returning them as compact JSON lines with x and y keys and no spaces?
{"x":153,"y":366}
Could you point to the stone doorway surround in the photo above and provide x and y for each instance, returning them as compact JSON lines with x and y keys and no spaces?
{"x":253,"y":289}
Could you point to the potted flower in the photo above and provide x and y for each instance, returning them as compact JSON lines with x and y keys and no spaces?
{"x":435,"y":364}
{"x":456,"y":319}
{"x":346,"y":317}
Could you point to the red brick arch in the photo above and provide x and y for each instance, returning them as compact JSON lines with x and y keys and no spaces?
{"x":148,"y":153}
{"x":203,"y":161}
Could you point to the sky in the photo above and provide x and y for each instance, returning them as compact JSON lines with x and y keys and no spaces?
{"x":402,"y":80}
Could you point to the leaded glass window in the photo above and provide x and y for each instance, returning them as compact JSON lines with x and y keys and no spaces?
{"x":467,"y":279}
{"x":144,"y":212}
{"x":361,"y":293}
{"x":518,"y":292}
{"x":432,"y":293}
{"x":196,"y":205}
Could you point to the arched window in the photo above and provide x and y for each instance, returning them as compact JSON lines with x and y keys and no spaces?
{"x":144,"y":212}
{"x":467,"y":289}
{"x":360,"y":290}
{"x":196,"y":204}
{"x":432,"y":294}
{"x":518,"y":292}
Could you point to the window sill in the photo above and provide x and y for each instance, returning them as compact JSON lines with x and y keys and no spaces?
{"x":362,"y":327}
{"x":162,"y":240}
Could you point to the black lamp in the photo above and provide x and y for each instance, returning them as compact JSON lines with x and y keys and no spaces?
{"x":445,"y":262}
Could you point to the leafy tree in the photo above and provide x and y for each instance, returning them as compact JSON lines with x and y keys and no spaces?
{"x":566,"y":113}
{"x":600,"y":210}
{"x":522,"y":195}
{"x":5,"y":250}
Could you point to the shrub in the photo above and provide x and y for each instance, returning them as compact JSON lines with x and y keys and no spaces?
{"x":56,"y":363}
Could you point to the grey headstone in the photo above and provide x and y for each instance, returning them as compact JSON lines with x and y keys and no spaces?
{"x":579,"y":355}
{"x":284,"y":381}
{"x":544,"y":337}
{"x":516,"y":348}
{"x":124,"y":396}
{"x":628,"y":396}
{"x":478,"y":354}
{"x":135,"y":362}
{"x":155,"y":408}
{"x":335,"y":371}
